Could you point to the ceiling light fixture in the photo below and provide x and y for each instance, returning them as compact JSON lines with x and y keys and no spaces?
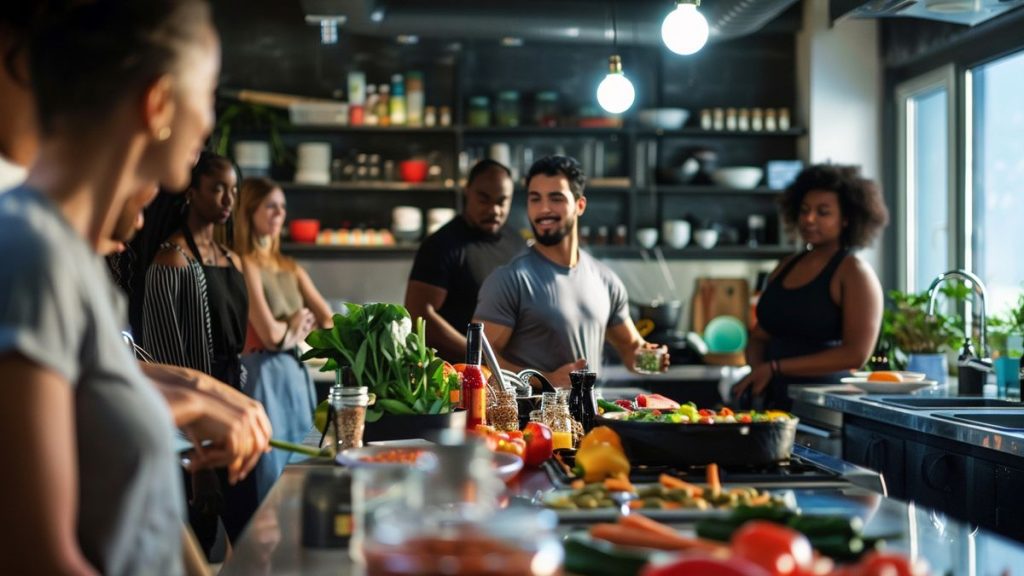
{"x":685,"y":30}
{"x":615,"y":93}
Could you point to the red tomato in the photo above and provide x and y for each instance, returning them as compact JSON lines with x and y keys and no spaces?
{"x":888,"y":564}
{"x":778,"y":549}
{"x":538,"y":443}
{"x":725,"y":411}
{"x":705,"y":566}
{"x":706,"y":412}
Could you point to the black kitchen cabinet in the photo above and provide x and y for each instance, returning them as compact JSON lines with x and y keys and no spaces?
{"x":938,"y":478}
{"x":880,"y":451}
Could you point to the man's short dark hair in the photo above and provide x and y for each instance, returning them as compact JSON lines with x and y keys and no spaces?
{"x":560,"y":166}
{"x":483,"y":166}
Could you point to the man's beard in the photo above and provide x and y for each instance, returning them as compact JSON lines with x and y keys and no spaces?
{"x":555,"y":236}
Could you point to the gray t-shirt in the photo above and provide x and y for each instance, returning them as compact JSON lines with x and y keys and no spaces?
{"x":57,"y":308}
{"x":557,"y":314}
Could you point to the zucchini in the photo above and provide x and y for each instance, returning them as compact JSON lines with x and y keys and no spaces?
{"x":812,"y":526}
{"x":590,"y":559}
{"x":609,"y":406}
{"x":720,"y":529}
{"x":773,"y":512}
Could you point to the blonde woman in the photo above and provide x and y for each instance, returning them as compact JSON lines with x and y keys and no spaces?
{"x":284,"y":306}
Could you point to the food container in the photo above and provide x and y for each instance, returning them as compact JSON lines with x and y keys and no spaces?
{"x":318,"y":114}
{"x":706,"y":238}
{"x":479,"y":112}
{"x":314,"y":165}
{"x":304,"y":230}
{"x":413,"y":171}
{"x":668,"y":444}
{"x":648,"y":360}
{"x":253,"y":157}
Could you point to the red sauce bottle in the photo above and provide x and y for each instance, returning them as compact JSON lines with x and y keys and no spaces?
{"x":474,"y":385}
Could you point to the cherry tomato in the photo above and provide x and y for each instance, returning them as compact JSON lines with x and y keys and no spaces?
{"x":706,"y":412}
{"x":726,"y":411}
{"x":780,"y":550}
{"x":704,"y":566}
{"x":538,"y":443}
{"x":888,"y":564}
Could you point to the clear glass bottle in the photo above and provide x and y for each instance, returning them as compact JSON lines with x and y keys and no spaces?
{"x":383,"y":107}
{"x":397,"y":101}
{"x":474,"y":387}
{"x":545,"y":110}
{"x":555,"y":406}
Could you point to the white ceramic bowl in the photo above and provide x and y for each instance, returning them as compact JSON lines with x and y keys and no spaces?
{"x":663,"y":118}
{"x":706,"y":238}
{"x":742,"y":177}
{"x":647,"y":237}
{"x":675,"y":233}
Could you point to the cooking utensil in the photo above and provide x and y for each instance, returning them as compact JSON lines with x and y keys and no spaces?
{"x":310,"y":451}
{"x":656,"y":443}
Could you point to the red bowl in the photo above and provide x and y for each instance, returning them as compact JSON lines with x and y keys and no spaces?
{"x":413,"y":170}
{"x":304,"y":230}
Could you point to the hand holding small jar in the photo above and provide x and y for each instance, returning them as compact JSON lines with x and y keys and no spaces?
{"x":651,"y":359}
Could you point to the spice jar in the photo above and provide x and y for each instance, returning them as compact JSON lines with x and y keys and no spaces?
{"x":349,"y":407}
{"x":545,"y":112}
{"x":506,"y":110}
{"x":479,"y":112}
{"x":503,"y":410}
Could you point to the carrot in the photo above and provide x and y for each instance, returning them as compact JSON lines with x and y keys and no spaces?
{"x":635,"y":504}
{"x":673,"y":482}
{"x":577,"y":484}
{"x":629,"y":536}
{"x":641,"y":522}
{"x":761,"y":499}
{"x":713,"y":483}
{"x":618,"y":484}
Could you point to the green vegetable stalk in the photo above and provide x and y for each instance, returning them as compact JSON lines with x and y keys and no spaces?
{"x":384,"y":353}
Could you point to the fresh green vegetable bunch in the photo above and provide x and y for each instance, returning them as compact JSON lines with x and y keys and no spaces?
{"x":908,"y":326}
{"x":377,"y":342}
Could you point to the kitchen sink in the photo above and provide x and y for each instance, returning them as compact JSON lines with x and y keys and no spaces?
{"x":1010,"y":420}
{"x":937,"y":403}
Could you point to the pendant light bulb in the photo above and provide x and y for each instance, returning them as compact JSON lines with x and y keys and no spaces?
{"x":615,"y":93}
{"x":685,"y":30}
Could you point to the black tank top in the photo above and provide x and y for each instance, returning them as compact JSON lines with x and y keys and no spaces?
{"x":800,"y":321}
{"x":229,"y":314}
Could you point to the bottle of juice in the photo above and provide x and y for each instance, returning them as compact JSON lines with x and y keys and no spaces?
{"x":474,"y":386}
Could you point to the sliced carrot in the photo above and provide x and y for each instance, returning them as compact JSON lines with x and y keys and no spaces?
{"x":577,"y":484}
{"x":673,"y":482}
{"x":641,"y":522}
{"x":635,"y":504}
{"x":629,"y":536}
{"x":618,"y":484}
{"x":713,"y":482}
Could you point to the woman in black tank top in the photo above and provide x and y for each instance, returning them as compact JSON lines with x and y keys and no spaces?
{"x":820,"y":314}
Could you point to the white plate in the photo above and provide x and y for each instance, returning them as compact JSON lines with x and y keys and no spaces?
{"x":907,"y":376}
{"x":506,"y":465}
{"x":888,"y":387}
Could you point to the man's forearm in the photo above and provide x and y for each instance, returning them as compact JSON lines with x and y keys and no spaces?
{"x":170,"y":375}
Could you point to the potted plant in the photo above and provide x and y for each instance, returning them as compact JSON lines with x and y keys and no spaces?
{"x":1007,"y":344}
{"x":412,"y":385}
{"x":924,"y":338}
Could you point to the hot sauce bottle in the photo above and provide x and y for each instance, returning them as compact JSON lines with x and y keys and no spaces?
{"x":474,"y":386}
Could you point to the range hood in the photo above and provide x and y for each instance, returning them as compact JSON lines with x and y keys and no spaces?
{"x":965,"y":12}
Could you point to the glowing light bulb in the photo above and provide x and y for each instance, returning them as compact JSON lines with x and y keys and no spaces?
{"x":685,"y":30}
{"x":615,"y":93}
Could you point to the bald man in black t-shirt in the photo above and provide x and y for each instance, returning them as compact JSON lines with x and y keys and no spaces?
{"x":453,"y":262}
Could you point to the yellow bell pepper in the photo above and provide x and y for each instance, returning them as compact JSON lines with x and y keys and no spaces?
{"x":600,"y":461}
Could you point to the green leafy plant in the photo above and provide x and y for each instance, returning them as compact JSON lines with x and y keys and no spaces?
{"x":251,"y":117}
{"x":909,"y":327}
{"x":377,"y":342}
{"x":1001,"y":326}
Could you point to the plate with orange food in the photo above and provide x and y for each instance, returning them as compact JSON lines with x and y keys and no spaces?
{"x":889,"y":382}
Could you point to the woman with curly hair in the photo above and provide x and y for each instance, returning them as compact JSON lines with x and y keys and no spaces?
{"x":820,"y":314}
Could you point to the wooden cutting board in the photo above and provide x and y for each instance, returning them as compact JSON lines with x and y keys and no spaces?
{"x":719,"y":296}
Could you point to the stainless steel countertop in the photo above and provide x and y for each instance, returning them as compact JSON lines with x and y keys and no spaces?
{"x":926,"y":420}
{"x":272,"y":542}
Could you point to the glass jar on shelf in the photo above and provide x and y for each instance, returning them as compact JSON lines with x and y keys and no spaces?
{"x":506,"y":110}
{"x":479,"y":115}
{"x":545,"y":110}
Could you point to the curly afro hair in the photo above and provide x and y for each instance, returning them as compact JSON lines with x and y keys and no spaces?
{"x":860,"y":201}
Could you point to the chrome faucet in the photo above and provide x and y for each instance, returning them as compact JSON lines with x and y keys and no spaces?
{"x":978,"y":287}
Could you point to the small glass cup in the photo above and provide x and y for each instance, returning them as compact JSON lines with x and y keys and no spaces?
{"x":648,"y":360}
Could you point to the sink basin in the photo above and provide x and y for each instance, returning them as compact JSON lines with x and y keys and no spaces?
{"x":1009,"y":420}
{"x":935,"y":403}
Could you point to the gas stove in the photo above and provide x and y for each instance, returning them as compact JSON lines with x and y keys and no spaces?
{"x":807,"y":468}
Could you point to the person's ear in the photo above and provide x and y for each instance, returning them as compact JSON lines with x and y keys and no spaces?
{"x":581,"y":205}
{"x":158,"y":107}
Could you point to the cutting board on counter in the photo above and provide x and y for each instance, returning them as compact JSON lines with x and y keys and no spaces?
{"x":717,"y":297}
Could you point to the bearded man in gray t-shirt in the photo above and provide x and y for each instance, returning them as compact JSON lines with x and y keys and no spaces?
{"x":552,"y":307}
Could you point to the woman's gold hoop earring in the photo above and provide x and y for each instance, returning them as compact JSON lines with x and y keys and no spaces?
{"x":164,"y":133}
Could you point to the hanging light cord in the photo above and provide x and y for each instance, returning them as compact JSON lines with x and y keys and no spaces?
{"x":615,"y":35}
